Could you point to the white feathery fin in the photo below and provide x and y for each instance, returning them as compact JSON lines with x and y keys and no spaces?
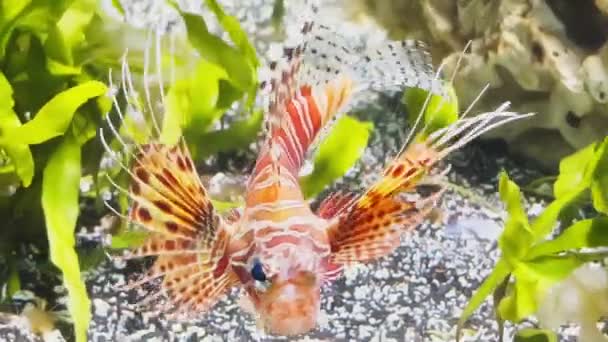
{"x":284,"y":72}
{"x":405,"y":63}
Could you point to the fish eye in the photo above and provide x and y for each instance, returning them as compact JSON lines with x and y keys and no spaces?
{"x":257,"y":271}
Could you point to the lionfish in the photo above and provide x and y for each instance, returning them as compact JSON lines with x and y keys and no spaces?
{"x":276,"y":248}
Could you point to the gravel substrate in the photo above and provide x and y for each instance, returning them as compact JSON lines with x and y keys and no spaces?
{"x":416,"y":294}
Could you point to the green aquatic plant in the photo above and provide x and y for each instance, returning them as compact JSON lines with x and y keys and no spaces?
{"x":52,"y":106}
{"x":531,"y":263}
{"x":439,"y":112}
{"x":337,"y":153}
{"x":223,"y":75}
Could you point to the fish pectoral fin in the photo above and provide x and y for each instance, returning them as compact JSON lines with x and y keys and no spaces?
{"x":168,"y":197}
{"x":372,"y":226}
{"x":186,"y":235}
{"x":191,"y":280}
{"x":335,"y":203}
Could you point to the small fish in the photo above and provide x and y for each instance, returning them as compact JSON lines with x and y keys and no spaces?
{"x":276,"y":248}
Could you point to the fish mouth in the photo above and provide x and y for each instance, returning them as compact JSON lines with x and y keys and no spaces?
{"x":291,"y":327}
{"x":290,"y":319}
{"x":291,"y":308}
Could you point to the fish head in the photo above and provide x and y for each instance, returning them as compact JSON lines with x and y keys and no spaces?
{"x":286,"y":291}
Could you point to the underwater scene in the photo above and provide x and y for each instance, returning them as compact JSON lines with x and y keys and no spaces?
{"x":303,"y":170}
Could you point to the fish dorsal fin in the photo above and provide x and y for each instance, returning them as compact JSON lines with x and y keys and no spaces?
{"x":313,"y":82}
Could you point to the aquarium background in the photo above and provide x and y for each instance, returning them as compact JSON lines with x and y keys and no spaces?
{"x":516,"y":232}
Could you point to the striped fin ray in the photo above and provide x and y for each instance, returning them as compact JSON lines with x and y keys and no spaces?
{"x":300,"y":103}
{"x":320,"y":64}
{"x":168,"y":197}
{"x":334,"y":204}
{"x":191,"y":286}
{"x":418,"y":160}
{"x":372,"y":229}
{"x":187,"y":238}
{"x":364,"y":228}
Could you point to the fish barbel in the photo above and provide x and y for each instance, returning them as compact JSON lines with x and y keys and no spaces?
{"x":276,"y":248}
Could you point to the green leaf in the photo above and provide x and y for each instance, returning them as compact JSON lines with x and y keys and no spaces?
{"x":517,"y":236}
{"x":511,"y":197}
{"x":55,"y":116}
{"x":34,"y":85}
{"x":204,"y":94}
{"x":542,"y":187}
{"x":546,"y":221}
{"x":520,"y":302}
{"x":499,"y":274}
{"x":213,"y":49}
{"x":193,"y":102}
{"x":34,"y":16}
{"x":19,"y":153}
{"x":223,"y":206}
{"x":118,"y":6}
{"x":337,"y":154}
{"x":572,"y":170}
{"x":599,"y":183}
{"x":235,"y":31}
{"x":238,"y":136}
{"x":532,"y":280}
{"x":583,"y":234}
{"x":129,"y":239}
{"x":583,"y":169}
{"x":438,"y":114}
{"x":60,"y":188}
{"x":89,"y":258}
{"x":549,"y":269}
{"x":177,"y":107}
{"x":240,"y":40}
{"x":535,"y":335}
{"x":67,"y":34}
{"x":13,"y":285}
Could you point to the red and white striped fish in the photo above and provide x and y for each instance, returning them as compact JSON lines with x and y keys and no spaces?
{"x":276,"y":248}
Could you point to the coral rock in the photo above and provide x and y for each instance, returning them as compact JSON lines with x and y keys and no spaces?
{"x":540,"y":55}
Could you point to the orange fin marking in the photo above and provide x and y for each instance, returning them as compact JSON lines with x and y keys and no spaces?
{"x":367,"y":232}
{"x":188,"y":238}
{"x":168,"y":196}
{"x":335,"y":203}
{"x":370,"y":226}
{"x":195,"y":287}
{"x":404,"y":173}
